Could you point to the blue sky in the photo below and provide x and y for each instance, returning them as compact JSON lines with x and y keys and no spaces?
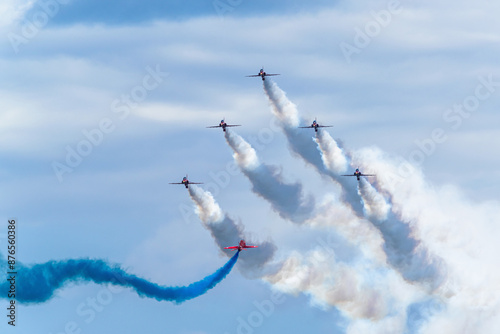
{"x":386,"y":101}
{"x":127,"y":12}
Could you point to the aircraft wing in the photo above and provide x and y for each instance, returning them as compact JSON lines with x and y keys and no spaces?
{"x":176,"y":183}
{"x":325,"y":126}
{"x":231,"y":125}
{"x":215,"y":126}
{"x":257,"y":75}
{"x":251,"y":246}
{"x":232,"y":247}
{"x":348,"y":175}
{"x":305,"y":127}
{"x":368,"y":175}
{"x":194,"y":182}
{"x":268,"y":75}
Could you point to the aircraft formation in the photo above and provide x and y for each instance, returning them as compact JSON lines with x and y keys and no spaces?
{"x":222,"y":124}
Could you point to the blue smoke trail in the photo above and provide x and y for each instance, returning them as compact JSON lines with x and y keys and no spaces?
{"x":38,"y":283}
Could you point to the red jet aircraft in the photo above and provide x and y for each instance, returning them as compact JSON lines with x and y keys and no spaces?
{"x":223,"y":125}
{"x":357,"y":173}
{"x":241,"y":246}
{"x":315,"y":125}
{"x":186,"y":182}
{"x":262,"y":74}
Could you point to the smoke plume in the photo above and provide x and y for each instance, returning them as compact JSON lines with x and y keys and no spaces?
{"x":226,"y":232}
{"x":38,"y":283}
{"x":287,"y":200}
{"x":403,"y":250}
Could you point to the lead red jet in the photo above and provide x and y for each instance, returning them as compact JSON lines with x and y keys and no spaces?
{"x":241,"y":246}
{"x":262,"y":74}
{"x":186,"y":182}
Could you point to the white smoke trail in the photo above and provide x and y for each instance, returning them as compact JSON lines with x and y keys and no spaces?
{"x":284,"y":109}
{"x":370,"y":296}
{"x":463,"y":233}
{"x":288,"y":200}
{"x":374,"y":203}
{"x":363,"y":235}
{"x":332,"y":155}
{"x":329,"y":281}
{"x":363,"y":289}
{"x":299,"y":139}
{"x":244,"y":154}
{"x":226,"y":232}
{"x":402,"y":248}
{"x":341,"y":287}
{"x":301,"y":144}
{"x":206,"y":208}
{"x":331,"y":213}
{"x":433,"y":236}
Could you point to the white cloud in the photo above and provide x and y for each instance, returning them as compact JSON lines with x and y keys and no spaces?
{"x":13,"y":10}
